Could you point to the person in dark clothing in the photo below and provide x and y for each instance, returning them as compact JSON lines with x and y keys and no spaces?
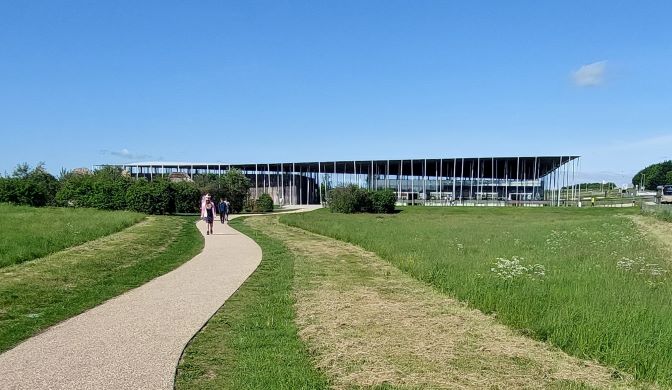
{"x":222,"y":208}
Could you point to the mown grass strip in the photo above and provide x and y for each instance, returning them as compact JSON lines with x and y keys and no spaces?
{"x":252,"y":341}
{"x":45,"y":291}
{"x":369,"y":325}
{"x":27,"y":233}
{"x":606,"y":292}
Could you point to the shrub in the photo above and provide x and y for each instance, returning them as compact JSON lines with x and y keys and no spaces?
{"x":8,"y":190}
{"x":138,"y":196}
{"x":344,"y":199}
{"x":187,"y":197}
{"x":5,"y":189}
{"x":153,"y":197}
{"x":109,"y":189}
{"x":76,"y":190}
{"x":34,"y":187}
{"x":263,"y":204}
{"x":383,"y":201}
{"x":352,"y":199}
{"x":104,"y":189}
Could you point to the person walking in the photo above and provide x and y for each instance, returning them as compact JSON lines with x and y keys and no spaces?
{"x":223,"y":209}
{"x":228,"y":209}
{"x":209,"y":212}
{"x":203,"y":212}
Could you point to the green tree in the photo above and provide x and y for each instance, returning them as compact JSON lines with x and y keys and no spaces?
{"x":654,"y":175}
{"x":22,"y":170}
{"x":236,"y":188}
{"x":34,"y":187}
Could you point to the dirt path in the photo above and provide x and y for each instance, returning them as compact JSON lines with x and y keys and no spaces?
{"x":134,"y":341}
{"x":369,"y":324}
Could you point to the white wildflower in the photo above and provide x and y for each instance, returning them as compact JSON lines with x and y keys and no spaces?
{"x":511,"y":269}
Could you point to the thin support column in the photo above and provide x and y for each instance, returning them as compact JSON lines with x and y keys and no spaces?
{"x":471,"y":181}
{"x":558,"y":184}
{"x":534,"y":180}
{"x":517,"y":177}
{"x":282,"y":183}
{"x":478,"y":180}
{"x":400,"y":175}
{"x":462,"y":180}
{"x":319,"y":186}
{"x":424,"y":182}
{"x":412,"y":185}
{"x":440,"y":181}
{"x":578,"y":163}
{"x":371,"y":181}
{"x":387,"y":174}
{"x":454,"y":178}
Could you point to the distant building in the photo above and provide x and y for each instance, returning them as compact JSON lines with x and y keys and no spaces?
{"x":427,"y":181}
{"x":81,"y":171}
{"x":178,"y":177}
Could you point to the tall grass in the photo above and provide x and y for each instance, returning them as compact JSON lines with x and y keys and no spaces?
{"x":660,"y":211}
{"x":252,"y":341}
{"x":584,"y":280}
{"x":27,"y":233}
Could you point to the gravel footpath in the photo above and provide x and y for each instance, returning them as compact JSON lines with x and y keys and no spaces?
{"x":134,"y":341}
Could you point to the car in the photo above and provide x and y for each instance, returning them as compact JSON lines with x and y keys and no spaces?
{"x":666,"y":196}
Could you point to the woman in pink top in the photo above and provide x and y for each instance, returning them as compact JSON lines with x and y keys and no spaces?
{"x":208,"y":212}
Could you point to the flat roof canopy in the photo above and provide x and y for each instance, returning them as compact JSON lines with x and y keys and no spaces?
{"x":491,"y":167}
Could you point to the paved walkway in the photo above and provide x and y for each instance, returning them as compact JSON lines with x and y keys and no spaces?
{"x":134,"y":341}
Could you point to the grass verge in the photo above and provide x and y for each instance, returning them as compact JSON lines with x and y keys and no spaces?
{"x":252,"y":341}
{"x":370,"y":326}
{"x":40,"y":293}
{"x":27,"y":233}
{"x":662,"y":212}
{"x":587,"y":281}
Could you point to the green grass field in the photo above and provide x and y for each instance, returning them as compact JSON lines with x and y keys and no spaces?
{"x":585,"y":280}
{"x":37,"y":294}
{"x":27,"y":233}
{"x":252,"y":341}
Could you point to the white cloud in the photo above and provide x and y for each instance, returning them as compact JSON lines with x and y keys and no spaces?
{"x":590,"y":75}
{"x":126,"y":154}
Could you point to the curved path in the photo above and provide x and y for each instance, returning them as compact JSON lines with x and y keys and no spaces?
{"x":134,"y":341}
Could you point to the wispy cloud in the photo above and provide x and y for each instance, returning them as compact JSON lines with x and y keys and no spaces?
{"x":590,"y":75}
{"x":642,"y":145}
{"x":125,"y":154}
{"x":619,"y":159}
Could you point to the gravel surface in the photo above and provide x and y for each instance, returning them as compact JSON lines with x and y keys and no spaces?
{"x":134,"y":341}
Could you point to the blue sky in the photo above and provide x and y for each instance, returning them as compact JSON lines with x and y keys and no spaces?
{"x":84,"y":83}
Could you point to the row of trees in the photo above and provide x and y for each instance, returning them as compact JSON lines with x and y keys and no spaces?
{"x":654,"y":175}
{"x":113,"y":189}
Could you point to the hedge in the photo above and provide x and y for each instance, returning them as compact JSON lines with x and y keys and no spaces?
{"x":111,"y":188}
{"x":352,"y":199}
